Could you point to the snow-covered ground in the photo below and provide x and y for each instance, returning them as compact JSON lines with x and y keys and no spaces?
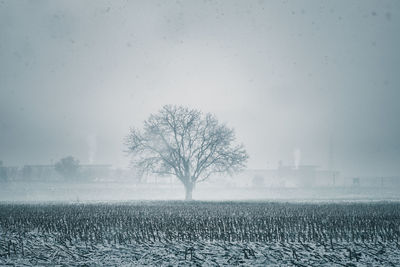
{"x":176,"y":233}
{"x":84,"y":192}
{"x":38,"y":252}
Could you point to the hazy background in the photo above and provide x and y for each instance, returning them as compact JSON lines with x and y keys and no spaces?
{"x":287,"y":75}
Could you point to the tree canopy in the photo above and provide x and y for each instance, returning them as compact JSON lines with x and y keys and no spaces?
{"x":187,"y":144}
{"x":67,"y":167}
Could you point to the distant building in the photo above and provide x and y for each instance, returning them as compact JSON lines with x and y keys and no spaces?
{"x":97,"y":172}
{"x":86,"y":172}
{"x":373,"y":181}
{"x":7,"y":173}
{"x":283,"y":176}
{"x":39,"y":173}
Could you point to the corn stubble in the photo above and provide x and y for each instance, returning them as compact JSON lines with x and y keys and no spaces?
{"x":205,"y":233}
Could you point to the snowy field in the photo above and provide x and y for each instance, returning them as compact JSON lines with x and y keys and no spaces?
{"x":93,"y":192}
{"x":200,"y":233}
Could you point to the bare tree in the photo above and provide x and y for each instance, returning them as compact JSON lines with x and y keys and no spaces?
{"x":187,"y":144}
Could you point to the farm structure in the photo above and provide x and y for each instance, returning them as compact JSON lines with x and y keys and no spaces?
{"x":306,"y":176}
{"x":48,"y":172}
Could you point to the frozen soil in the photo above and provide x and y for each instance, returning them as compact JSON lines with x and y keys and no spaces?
{"x":36,"y":250}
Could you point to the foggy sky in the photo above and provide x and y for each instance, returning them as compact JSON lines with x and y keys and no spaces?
{"x":289,"y":76}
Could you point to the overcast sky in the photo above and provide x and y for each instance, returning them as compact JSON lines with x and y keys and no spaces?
{"x":287,"y":75}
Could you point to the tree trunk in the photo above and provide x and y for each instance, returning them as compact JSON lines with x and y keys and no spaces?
{"x":188,"y":191}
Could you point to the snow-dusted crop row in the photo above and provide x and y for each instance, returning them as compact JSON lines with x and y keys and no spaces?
{"x":201,"y":231}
